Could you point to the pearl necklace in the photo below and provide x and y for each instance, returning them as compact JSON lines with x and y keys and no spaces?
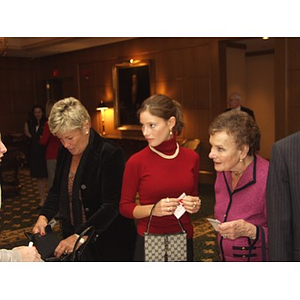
{"x":165,"y":155}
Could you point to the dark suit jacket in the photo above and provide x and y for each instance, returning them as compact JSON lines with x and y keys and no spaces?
{"x":98,"y":180}
{"x":283,"y":200}
{"x":245,"y":109}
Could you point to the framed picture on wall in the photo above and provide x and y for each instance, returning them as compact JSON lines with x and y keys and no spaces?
{"x":131,"y":82}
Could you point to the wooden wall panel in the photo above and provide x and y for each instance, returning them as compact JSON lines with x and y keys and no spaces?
{"x":293,"y":53}
{"x":4,"y":80}
{"x":294,"y":119}
{"x":103,"y":72}
{"x":196,"y":123}
{"x":17,"y":94}
{"x":87,"y":75}
{"x":21,"y":101}
{"x":294,"y":90}
{"x":170,"y":88}
{"x":197,"y":93}
{"x":186,"y":69}
{"x":168,"y":65}
{"x":5,"y":102}
{"x":196,"y":62}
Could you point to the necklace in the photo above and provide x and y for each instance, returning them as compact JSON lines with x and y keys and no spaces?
{"x":165,"y":155}
{"x":238,"y":173}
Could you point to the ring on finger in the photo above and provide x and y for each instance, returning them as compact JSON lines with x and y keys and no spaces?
{"x":168,"y":200}
{"x":168,"y":208}
{"x":194,"y":204}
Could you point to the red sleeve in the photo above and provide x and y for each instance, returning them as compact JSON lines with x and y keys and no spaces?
{"x":129,"y":189}
{"x":196,"y":175}
{"x":45,"y":136}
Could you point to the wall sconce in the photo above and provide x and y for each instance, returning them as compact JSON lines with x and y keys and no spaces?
{"x":102,"y":107}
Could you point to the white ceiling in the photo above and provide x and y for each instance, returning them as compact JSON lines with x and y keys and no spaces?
{"x":32,"y":47}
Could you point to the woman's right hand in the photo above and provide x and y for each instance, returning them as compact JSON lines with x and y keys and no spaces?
{"x":40,"y":225}
{"x":165,"y":207}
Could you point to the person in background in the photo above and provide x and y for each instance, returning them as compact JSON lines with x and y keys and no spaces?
{"x":160,"y":173}
{"x":234,"y":103}
{"x":17,"y":254}
{"x":240,"y":187}
{"x":52,"y":144}
{"x":86,"y":187}
{"x":33,"y":129}
{"x":283,"y":199}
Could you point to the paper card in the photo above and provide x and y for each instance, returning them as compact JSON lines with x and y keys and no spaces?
{"x":180,"y":210}
{"x":214,"y":223}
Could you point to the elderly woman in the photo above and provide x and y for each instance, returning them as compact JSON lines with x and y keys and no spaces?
{"x":240,"y":187}
{"x":86,"y":187}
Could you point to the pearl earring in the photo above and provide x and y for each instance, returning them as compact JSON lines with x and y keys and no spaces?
{"x":171,"y":132}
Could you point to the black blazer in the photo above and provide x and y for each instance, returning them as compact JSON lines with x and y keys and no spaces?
{"x":245,"y":109}
{"x":283,"y":200}
{"x":98,"y":180}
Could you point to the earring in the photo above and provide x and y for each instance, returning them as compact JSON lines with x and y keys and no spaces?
{"x":171,"y":132}
{"x":241,"y":160}
{"x":87,"y":132}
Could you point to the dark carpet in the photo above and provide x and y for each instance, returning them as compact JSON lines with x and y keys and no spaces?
{"x":20,"y":210}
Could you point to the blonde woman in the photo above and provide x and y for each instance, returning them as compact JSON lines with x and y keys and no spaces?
{"x":86,"y":187}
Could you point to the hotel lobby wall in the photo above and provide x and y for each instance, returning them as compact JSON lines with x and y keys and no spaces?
{"x":18,"y":92}
{"x":287,"y":87}
{"x":186,"y":69}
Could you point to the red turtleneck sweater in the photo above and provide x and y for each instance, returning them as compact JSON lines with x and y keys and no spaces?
{"x":153,"y":178}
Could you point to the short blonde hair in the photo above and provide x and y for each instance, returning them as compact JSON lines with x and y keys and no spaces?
{"x":66,"y":115}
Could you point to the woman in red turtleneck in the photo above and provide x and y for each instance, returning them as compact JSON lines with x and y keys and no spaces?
{"x":160,"y":173}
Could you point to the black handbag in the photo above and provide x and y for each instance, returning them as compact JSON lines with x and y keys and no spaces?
{"x":47,"y":243}
{"x":165,"y":247}
{"x":78,"y":252}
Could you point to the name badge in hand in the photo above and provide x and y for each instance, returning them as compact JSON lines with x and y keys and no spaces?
{"x":180,"y":210}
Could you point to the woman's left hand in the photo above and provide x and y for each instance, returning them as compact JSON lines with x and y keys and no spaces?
{"x":65,"y":246}
{"x":192,"y":204}
{"x":238,"y":228}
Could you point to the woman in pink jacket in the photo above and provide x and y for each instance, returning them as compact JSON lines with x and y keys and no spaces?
{"x":240,"y":187}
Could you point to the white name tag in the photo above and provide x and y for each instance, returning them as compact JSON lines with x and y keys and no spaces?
{"x":180,"y":210}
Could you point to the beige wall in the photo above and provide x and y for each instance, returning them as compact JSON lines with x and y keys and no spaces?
{"x":253,"y":77}
{"x":260,"y":97}
{"x":236,"y":71}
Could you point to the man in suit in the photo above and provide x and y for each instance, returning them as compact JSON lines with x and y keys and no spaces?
{"x":283,"y":200}
{"x":234,"y":102}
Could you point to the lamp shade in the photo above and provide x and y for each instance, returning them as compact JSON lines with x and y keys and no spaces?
{"x":101,"y":106}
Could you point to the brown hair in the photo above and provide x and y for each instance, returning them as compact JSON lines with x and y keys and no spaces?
{"x":241,"y":126}
{"x":163,"y":107}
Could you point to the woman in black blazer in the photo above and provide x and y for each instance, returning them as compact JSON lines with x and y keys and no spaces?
{"x":86,"y":188}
